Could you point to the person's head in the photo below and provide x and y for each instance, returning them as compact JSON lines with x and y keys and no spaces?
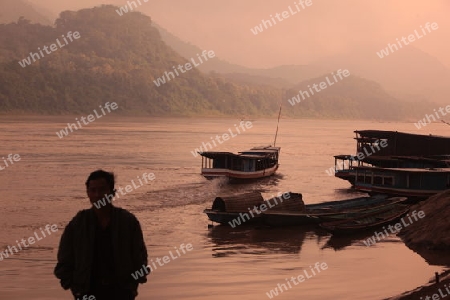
{"x":100,"y":184}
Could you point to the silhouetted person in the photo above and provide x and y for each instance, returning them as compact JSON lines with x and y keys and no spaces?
{"x":102,"y":247}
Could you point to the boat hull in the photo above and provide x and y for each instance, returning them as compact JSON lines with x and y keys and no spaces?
{"x":368,"y":221}
{"x":415,"y":183}
{"x":413,"y":193}
{"x":232,"y":219}
{"x":348,"y":175}
{"x":240,"y":175}
{"x":330,"y":211}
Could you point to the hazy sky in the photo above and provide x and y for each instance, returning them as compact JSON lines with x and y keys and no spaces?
{"x":326,"y":28}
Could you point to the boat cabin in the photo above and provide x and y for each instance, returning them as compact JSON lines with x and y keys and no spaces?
{"x":409,"y":182}
{"x":255,"y":163}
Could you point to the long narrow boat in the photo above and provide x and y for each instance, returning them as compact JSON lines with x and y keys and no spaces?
{"x":345,"y":165}
{"x":393,"y":149}
{"x":367,"y":221}
{"x":258,"y":162}
{"x":401,"y":143}
{"x":332,"y":210}
{"x":408,"y":182}
{"x":358,"y":211}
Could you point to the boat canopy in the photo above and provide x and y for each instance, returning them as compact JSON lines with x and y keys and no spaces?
{"x":214,"y":155}
{"x":407,"y":170}
{"x":401,"y":143}
{"x":253,"y":153}
{"x":237,"y":203}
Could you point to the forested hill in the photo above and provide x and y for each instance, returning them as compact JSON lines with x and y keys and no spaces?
{"x":118,"y":58}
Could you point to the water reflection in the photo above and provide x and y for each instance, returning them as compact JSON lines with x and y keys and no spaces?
{"x":229,"y":241}
{"x":340,"y":242}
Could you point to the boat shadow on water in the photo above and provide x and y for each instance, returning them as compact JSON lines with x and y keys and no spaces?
{"x":258,"y":239}
{"x":340,"y":242}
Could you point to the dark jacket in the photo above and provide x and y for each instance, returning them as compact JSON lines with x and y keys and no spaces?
{"x":76,"y":250}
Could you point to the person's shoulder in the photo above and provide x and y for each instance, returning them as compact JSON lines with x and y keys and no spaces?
{"x":81,"y":215}
{"x":123,"y":213}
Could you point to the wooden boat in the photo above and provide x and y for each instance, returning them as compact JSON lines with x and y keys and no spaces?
{"x":289,"y":209}
{"x":258,"y":162}
{"x":401,"y":143}
{"x":326,"y":211}
{"x":367,"y":221}
{"x":399,"y":150}
{"x":343,"y":167}
{"x":409,"y":182}
{"x":357,"y":211}
{"x":239,"y":210}
{"x":226,"y":209}
{"x":344,"y":164}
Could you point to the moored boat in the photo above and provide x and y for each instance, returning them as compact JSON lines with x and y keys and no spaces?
{"x":344,"y":165}
{"x":408,"y":182}
{"x":359,"y":210}
{"x":226,"y":209}
{"x":366,"y":221}
{"x":393,"y":149}
{"x":248,"y":208}
{"x":331,"y":210}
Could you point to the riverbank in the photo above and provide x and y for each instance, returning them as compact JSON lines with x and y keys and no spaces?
{"x":432,"y":290}
{"x":430,"y":238}
{"x":432,"y":233}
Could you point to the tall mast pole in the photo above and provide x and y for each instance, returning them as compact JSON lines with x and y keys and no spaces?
{"x":276,"y":133}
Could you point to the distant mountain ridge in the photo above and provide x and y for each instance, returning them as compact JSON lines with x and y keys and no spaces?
{"x":394,"y":72}
{"x":118,"y":58}
{"x":289,"y":74}
{"x":409,"y":73}
{"x":12,"y":10}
